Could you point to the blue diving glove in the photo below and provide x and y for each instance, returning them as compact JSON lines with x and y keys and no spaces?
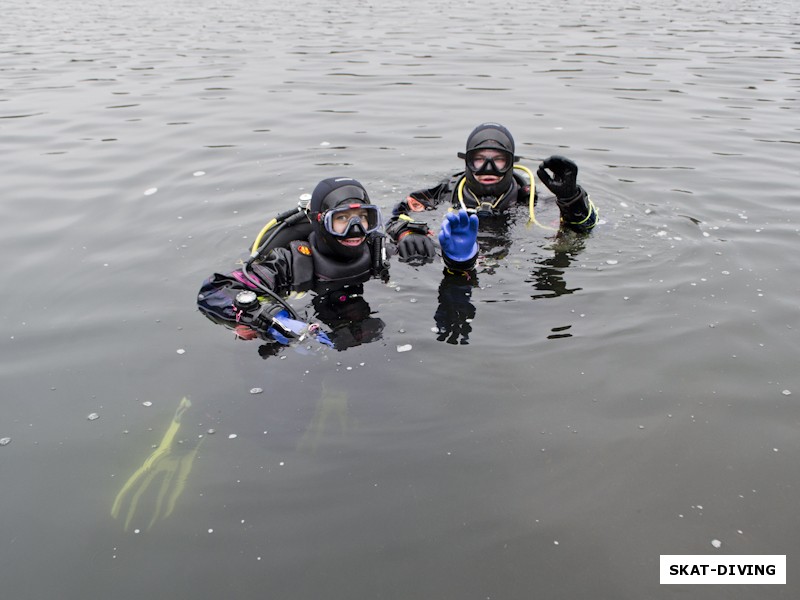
{"x":458,"y":236}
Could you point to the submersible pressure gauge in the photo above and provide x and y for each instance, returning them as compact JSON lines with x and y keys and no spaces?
{"x":246,"y":300}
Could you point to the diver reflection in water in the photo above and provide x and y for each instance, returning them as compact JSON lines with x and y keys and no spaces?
{"x":348,"y":317}
{"x":330,"y":248}
{"x":548,"y":277}
{"x":456,"y":311}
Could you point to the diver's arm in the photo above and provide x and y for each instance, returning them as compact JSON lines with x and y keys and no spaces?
{"x":424,"y":200}
{"x":407,"y":211}
{"x":217,"y":296}
{"x":411,"y":236}
{"x":578,"y":213}
{"x":413,"y":239}
{"x":560,"y":176}
{"x":274,"y":271}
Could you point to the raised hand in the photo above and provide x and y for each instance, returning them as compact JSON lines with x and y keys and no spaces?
{"x":458,"y":236}
{"x":564,"y":179}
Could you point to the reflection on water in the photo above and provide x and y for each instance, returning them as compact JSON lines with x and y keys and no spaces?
{"x":548,"y":277}
{"x":457,"y":311}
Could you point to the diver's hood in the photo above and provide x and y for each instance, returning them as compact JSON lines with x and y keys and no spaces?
{"x":489,"y":136}
{"x":329,"y":194}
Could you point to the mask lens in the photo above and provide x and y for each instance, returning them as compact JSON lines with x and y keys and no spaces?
{"x":483,"y":163}
{"x":352,"y":220}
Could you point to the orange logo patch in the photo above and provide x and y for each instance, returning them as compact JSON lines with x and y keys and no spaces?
{"x":415,"y":205}
{"x":304,"y":250}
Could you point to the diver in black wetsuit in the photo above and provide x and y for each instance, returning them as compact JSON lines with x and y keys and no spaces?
{"x":329,"y":248}
{"x":485,"y":194}
{"x":490,"y":186}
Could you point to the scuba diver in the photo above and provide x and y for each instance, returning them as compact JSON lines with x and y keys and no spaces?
{"x":486,"y":195}
{"x":329,"y":247}
{"x":489,"y":187}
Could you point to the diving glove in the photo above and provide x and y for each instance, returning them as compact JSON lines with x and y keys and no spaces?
{"x":416,"y":246}
{"x":458,"y":238}
{"x":564,"y":179}
{"x":412,"y":239}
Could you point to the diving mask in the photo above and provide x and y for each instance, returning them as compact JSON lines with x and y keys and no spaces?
{"x":352,"y":220}
{"x":481,"y":163}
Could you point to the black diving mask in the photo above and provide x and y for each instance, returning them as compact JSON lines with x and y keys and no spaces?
{"x":480,"y":164}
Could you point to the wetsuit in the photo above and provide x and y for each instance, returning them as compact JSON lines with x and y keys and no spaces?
{"x":296,"y":268}
{"x":456,"y":310}
{"x":577,"y":213}
{"x":332,"y":247}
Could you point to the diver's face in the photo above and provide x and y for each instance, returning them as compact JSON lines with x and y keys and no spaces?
{"x":341,"y":220}
{"x":478,"y":159}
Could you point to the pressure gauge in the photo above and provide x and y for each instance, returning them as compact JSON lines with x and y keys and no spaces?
{"x":246,"y":300}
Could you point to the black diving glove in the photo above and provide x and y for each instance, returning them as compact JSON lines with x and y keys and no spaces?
{"x":416,"y":247}
{"x":564,"y":180}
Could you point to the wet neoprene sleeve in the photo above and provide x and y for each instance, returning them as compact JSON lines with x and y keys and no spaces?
{"x":578,"y":212}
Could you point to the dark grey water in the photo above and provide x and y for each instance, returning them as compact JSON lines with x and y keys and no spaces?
{"x":629,"y":397}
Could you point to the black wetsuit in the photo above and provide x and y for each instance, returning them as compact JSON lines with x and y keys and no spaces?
{"x":456,"y":311}
{"x":300,"y":267}
{"x":577,"y":213}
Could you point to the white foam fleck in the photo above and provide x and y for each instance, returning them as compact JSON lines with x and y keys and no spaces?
{"x":404,"y":348}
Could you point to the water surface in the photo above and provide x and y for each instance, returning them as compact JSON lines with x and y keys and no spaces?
{"x":621,"y":397}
